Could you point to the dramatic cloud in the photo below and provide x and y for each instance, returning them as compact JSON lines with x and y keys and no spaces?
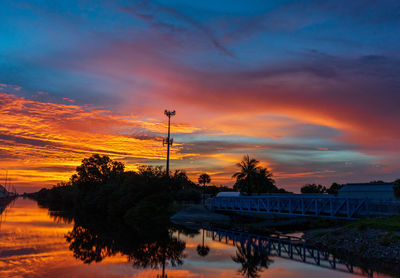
{"x":42,"y":143}
{"x":311,"y":89}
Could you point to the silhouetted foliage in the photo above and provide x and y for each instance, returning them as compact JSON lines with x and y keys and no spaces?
{"x":102,"y":186}
{"x":396,"y":188}
{"x":253,"y":178}
{"x":96,"y":170}
{"x":313,"y":188}
{"x":204,"y":179}
{"x":334,"y":188}
{"x":214,"y":190}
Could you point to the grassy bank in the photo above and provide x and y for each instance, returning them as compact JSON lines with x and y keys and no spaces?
{"x":389,"y":224}
{"x":370,"y":242}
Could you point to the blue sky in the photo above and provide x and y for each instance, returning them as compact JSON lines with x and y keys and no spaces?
{"x":310,"y":88}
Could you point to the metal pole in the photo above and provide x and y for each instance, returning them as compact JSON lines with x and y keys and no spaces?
{"x":168,"y":142}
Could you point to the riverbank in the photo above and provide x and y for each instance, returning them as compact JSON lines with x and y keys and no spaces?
{"x":199,"y":216}
{"x":367,"y":242}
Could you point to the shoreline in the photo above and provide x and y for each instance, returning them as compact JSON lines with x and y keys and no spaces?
{"x":354,"y":242}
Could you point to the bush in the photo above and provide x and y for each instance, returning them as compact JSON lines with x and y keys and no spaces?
{"x":313,"y":188}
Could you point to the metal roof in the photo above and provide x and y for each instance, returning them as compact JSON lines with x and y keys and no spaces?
{"x":367,"y":187}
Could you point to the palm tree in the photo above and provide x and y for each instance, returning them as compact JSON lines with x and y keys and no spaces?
{"x":253,"y":178}
{"x":245,"y":177}
{"x":203,"y":250}
{"x":248,"y":168}
{"x":204,"y":179}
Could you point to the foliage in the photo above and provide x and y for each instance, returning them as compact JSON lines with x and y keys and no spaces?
{"x":204,"y":179}
{"x":213,"y":190}
{"x":253,"y":178}
{"x":334,"y":188}
{"x":396,"y":189}
{"x":313,"y":188}
{"x":391,"y":223}
{"x":101,"y":186}
{"x":96,"y":170}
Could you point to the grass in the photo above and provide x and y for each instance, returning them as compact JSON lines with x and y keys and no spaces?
{"x":391,"y":224}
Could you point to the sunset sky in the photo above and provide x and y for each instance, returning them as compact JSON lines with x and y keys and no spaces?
{"x":309,"y":88}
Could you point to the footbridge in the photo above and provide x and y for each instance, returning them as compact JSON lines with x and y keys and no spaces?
{"x":311,"y":206}
{"x":287,"y":247}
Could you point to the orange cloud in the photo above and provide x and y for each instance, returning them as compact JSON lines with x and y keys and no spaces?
{"x":41,"y":143}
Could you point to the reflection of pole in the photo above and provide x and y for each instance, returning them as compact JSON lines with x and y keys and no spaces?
{"x":168,"y":141}
{"x":203,"y":238}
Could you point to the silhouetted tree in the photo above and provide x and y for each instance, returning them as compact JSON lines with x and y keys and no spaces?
{"x":252,"y":178}
{"x":396,"y":189}
{"x":248,"y":168}
{"x":96,"y":170}
{"x":204,"y":179}
{"x":313,"y":188}
{"x":334,"y":189}
{"x":180,"y":181}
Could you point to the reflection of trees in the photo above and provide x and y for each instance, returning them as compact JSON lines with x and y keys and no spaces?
{"x":251,"y":259}
{"x":158,"y":253}
{"x":87,"y":246}
{"x":61,"y":217}
{"x":147,"y":247}
{"x":203,"y":250}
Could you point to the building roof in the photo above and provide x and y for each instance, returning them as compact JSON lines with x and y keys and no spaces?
{"x":368,"y":187}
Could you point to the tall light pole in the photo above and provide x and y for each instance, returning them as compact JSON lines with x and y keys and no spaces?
{"x":168,"y":141}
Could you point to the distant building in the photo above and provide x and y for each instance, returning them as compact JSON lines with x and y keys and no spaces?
{"x":383,"y":190}
{"x":228,"y":194}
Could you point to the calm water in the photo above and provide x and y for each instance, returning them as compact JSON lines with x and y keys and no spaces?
{"x":33,"y":244}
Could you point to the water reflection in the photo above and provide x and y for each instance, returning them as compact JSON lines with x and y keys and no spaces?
{"x":251,"y":259}
{"x":202,"y":249}
{"x":92,"y":240}
{"x":37,"y":243}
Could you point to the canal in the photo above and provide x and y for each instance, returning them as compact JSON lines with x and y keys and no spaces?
{"x":37,"y":243}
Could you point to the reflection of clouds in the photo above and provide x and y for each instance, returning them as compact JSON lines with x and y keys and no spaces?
{"x":33,"y":245}
{"x":29,"y":250}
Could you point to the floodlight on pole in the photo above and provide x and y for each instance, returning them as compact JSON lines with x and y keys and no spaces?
{"x":168,"y":141}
